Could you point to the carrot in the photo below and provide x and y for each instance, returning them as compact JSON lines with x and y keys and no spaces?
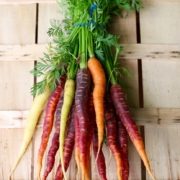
{"x":69,"y":92}
{"x":99,"y":81}
{"x":123,"y":141}
{"x":48,"y":123}
{"x":32,"y":120}
{"x":83,"y":82}
{"x":68,"y":147}
{"x":112,"y":136}
{"x":123,"y":113}
{"x":55,"y":140}
{"x":101,"y":165}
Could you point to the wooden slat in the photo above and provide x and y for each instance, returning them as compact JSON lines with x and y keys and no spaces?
{"x":162,"y":52}
{"x":21,"y":52}
{"x":17,"y":27}
{"x":151,"y":51}
{"x":163,"y":147}
{"x":160,"y":24}
{"x":10,"y":140}
{"x":143,"y":116}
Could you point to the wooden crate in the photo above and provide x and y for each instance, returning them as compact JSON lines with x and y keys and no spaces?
{"x":151,"y":52}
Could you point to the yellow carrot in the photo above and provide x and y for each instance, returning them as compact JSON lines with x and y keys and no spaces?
{"x":69,"y":92}
{"x":32,"y":120}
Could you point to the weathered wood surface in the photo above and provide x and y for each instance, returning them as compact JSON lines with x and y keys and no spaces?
{"x":131,"y":52}
{"x":15,"y":83}
{"x":160,"y":24}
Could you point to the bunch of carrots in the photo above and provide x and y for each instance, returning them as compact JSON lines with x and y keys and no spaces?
{"x":81,"y":95}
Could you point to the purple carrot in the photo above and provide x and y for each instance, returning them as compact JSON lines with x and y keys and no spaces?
{"x":81,"y":102}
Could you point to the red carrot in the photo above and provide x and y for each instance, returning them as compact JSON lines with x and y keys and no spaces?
{"x":68,"y":146}
{"x":123,"y":113}
{"x":55,"y":140}
{"x":81,"y":102}
{"x":112,"y":136}
{"x":123,"y":141}
{"x":48,"y":123}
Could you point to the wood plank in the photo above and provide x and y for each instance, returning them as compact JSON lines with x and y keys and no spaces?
{"x":10,"y":142}
{"x":131,"y":52}
{"x":160,"y":24}
{"x":164,"y":150}
{"x":142,"y":116}
{"x":151,"y":52}
{"x":17,"y":27}
{"x":16,"y":24}
{"x":26,"y":53}
{"x":15,"y":84}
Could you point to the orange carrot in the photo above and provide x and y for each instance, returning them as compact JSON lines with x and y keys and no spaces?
{"x":99,"y":80}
